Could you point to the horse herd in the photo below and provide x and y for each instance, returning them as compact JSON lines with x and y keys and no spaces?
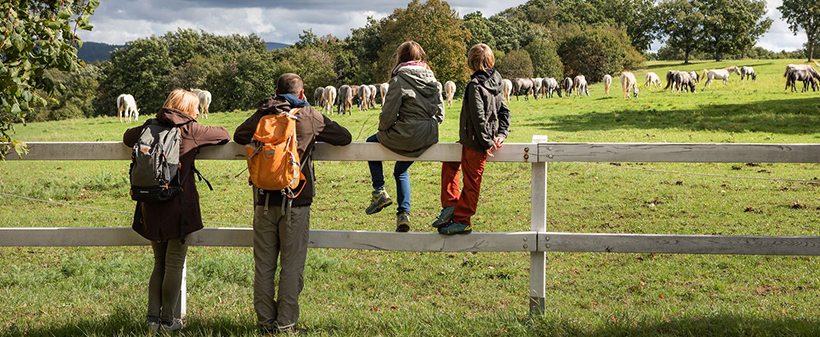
{"x":365,"y":96}
{"x":128,"y":106}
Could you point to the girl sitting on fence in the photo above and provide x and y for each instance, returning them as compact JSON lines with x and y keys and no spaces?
{"x":408,"y":125}
{"x":160,"y":221}
{"x":483,"y":127}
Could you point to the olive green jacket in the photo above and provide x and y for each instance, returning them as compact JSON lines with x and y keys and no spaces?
{"x":412,"y":111}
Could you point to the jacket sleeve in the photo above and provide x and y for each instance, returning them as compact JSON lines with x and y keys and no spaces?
{"x":333,"y":133}
{"x":392,"y":103}
{"x":209,"y":135}
{"x":503,"y":121}
{"x":132,"y":135}
{"x":439,"y":114}
{"x":244,"y":132}
{"x":475,"y":107}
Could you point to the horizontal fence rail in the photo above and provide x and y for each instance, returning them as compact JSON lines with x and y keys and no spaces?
{"x":537,"y":241}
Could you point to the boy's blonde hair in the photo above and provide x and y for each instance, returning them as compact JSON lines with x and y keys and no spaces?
{"x":183,"y":100}
{"x":480,"y":57}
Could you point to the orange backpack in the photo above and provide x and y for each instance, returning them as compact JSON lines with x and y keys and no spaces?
{"x":273,"y":160}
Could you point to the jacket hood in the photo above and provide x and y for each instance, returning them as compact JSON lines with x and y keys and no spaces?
{"x":422,"y":79}
{"x":273,"y":104}
{"x":489,"y":79}
{"x":173,"y":116}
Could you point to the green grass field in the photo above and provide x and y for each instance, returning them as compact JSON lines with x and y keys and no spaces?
{"x":103,"y":291}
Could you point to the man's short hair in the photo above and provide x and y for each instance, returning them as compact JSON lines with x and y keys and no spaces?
{"x":289,"y":83}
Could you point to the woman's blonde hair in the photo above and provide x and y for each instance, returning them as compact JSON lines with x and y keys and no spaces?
{"x":183,"y":100}
{"x":410,"y":51}
{"x":480,"y":57}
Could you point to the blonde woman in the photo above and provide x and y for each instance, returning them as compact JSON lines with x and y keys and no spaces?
{"x":159,"y":222}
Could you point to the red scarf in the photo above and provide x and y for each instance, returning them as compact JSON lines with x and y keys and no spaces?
{"x":407,"y":64}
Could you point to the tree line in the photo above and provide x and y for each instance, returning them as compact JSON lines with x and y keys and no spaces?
{"x":541,"y":38}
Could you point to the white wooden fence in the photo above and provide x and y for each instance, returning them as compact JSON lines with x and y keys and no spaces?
{"x":537,"y":241}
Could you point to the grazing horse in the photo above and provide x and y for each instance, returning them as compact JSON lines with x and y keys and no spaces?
{"x":537,"y":83}
{"x":801,"y":68}
{"x":567,"y":85}
{"x":330,"y":99}
{"x":628,"y":82}
{"x":551,"y":86}
{"x":345,"y":99}
{"x":670,"y":79}
{"x":364,"y":97}
{"x":204,"y":100}
{"x":383,"y":90}
{"x":581,"y":85}
{"x":450,"y":90}
{"x":747,"y":72}
{"x":508,"y":87}
{"x":125,"y":102}
{"x":695,"y":76}
{"x":607,"y":83}
{"x":652,"y":79}
{"x":522,"y":84}
{"x":373,"y":93}
{"x":319,"y":97}
{"x":721,"y":74}
{"x":684,"y":82}
{"x":808,"y":75}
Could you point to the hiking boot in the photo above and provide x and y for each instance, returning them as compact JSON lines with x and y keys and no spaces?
{"x":174,"y":325}
{"x":378,"y":201}
{"x":402,"y":222}
{"x":291,"y":330}
{"x":445,"y":217}
{"x":455,"y":228}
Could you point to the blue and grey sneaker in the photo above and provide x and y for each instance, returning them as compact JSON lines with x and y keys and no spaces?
{"x":455,"y":228}
{"x":378,"y":201}
{"x":153,"y":324}
{"x":445,"y":217}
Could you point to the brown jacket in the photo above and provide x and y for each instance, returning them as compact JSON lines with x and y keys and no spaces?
{"x":311,"y":126}
{"x":160,"y":221}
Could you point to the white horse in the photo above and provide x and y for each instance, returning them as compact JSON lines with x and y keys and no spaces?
{"x":373,"y":93}
{"x":126,"y":103}
{"x":329,"y":99}
{"x":383,"y":90}
{"x":364,"y":97}
{"x":652,"y":79}
{"x":450,"y":90}
{"x":550,"y":86}
{"x":537,"y":84}
{"x":507,"y":89}
{"x":628,"y":82}
{"x":747,"y":72}
{"x":581,"y":85}
{"x":567,"y":85}
{"x":721,"y":74}
{"x":607,"y":83}
{"x":204,"y":100}
{"x":345,"y":99}
{"x":319,"y":97}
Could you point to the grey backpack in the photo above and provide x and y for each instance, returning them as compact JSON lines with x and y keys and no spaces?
{"x":155,"y":163}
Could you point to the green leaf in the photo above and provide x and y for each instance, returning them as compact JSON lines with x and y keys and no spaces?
{"x":15,"y":109}
{"x":54,"y":25}
{"x":64,"y":13}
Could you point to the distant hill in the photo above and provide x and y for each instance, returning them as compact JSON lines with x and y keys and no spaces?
{"x":96,"y":51}
{"x":276,"y":45}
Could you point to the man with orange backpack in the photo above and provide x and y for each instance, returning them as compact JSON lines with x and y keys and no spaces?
{"x":281,"y":217}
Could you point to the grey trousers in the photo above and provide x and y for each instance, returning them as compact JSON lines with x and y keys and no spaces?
{"x":274,"y":237}
{"x":166,"y":280}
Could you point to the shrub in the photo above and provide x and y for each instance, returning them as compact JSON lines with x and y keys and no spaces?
{"x":596,"y":51}
{"x":516,"y":63}
{"x":545,"y":60}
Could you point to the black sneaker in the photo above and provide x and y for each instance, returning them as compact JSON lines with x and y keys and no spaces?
{"x":445,"y":217}
{"x":455,"y":228}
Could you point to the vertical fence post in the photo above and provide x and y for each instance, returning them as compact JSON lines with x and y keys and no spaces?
{"x":538,"y":223}
{"x":182,"y":304}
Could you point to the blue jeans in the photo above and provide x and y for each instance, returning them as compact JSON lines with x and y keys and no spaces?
{"x":400,"y":172}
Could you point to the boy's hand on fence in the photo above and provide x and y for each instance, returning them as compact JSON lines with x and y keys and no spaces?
{"x":490,"y":152}
{"x":498,"y":143}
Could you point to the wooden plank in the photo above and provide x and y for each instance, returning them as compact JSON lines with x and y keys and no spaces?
{"x":679,"y":244}
{"x":243,"y":237}
{"x":679,"y":152}
{"x":512,"y":152}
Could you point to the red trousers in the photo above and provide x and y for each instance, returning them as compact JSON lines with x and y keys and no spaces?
{"x":472,"y":164}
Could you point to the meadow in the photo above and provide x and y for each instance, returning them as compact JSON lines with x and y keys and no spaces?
{"x":94,"y":291}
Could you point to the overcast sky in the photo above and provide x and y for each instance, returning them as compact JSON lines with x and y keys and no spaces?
{"x":118,"y":21}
